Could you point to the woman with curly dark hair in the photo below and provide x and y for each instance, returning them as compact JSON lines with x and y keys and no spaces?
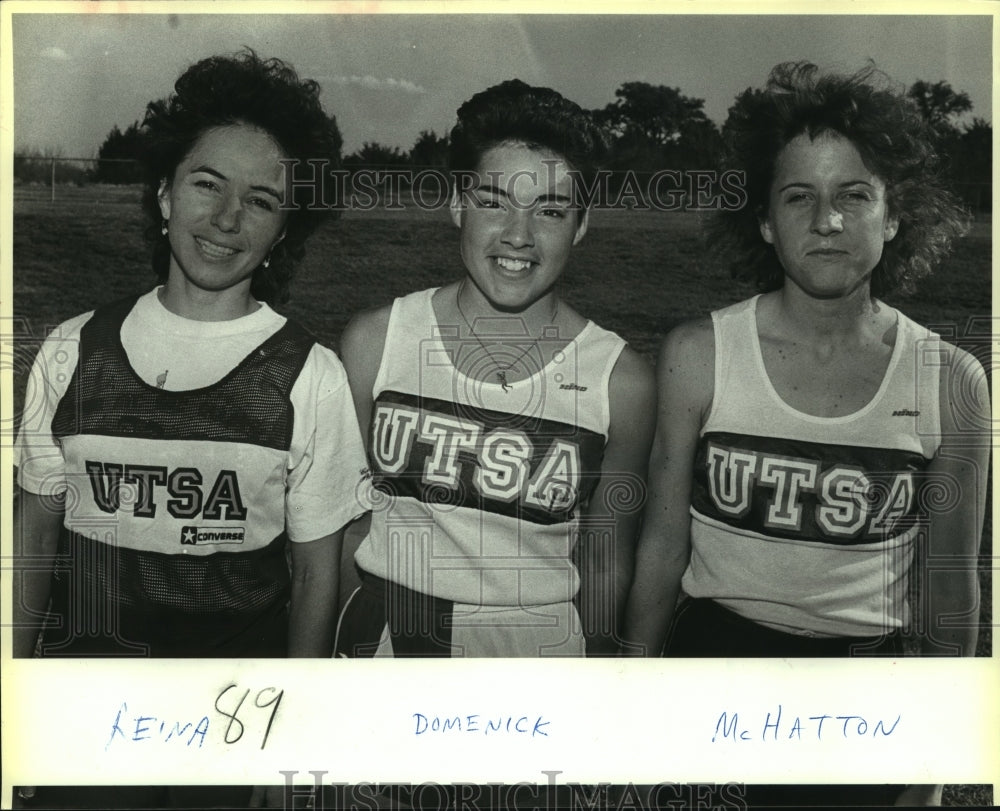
{"x":192,"y":437}
{"x":262,"y":95}
{"x":804,"y":435}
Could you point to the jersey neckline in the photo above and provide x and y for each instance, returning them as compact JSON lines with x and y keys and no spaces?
{"x":535,"y":376}
{"x":143,"y":301}
{"x":803,"y":415}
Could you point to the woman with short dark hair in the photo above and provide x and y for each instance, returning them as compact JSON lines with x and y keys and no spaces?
{"x":508,"y":434}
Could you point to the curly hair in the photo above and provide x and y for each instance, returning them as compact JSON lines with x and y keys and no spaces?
{"x":538,"y":117}
{"x":893,"y":140}
{"x":264,"y":93}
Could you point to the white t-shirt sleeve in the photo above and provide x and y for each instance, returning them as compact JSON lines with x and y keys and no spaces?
{"x":327,"y":486}
{"x":37,"y":454}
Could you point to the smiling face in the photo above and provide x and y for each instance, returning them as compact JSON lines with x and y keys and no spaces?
{"x":828,"y":218}
{"x":518,"y":225}
{"x":222,"y":210}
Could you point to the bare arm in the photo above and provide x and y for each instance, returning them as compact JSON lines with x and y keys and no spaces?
{"x":361,"y":347}
{"x":315,"y":583}
{"x":38,"y":519}
{"x":354,"y":534}
{"x":609,"y":525}
{"x":960,"y":470}
{"x":37,"y":524}
{"x":684,"y":379}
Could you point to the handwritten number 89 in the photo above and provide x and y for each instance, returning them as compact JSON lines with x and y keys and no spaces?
{"x":235,"y":727}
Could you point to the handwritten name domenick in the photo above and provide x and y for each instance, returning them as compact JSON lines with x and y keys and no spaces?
{"x":527,"y":725}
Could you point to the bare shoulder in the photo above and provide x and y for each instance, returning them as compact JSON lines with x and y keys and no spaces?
{"x":368,"y":325}
{"x":688,"y":353}
{"x":632,"y":404}
{"x":364,"y":335}
{"x":690,"y":342}
{"x":964,"y":392}
{"x":633,"y":373}
{"x":685,"y":370}
{"x":361,"y":348}
{"x":962,"y":363}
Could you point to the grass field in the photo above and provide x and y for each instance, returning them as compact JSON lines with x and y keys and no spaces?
{"x":637,"y":273}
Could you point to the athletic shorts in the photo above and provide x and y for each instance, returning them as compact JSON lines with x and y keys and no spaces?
{"x":703,"y":627}
{"x":382,"y":618}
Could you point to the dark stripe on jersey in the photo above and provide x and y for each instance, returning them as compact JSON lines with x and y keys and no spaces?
{"x":419,"y":625}
{"x":745,"y":481}
{"x":110,"y":599}
{"x":540,"y":433}
{"x":250,"y":404}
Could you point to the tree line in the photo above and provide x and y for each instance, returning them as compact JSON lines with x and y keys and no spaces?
{"x":651,"y":128}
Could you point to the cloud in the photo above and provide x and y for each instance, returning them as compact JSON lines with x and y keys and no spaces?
{"x":55,"y":53}
{"x":371,"y":83}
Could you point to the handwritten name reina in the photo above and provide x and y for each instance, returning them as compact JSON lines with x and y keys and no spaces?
{"x":780,"y":725}
{"x":149,"y":727}
{"x":231,"y":704}
{"x":529,"y":725}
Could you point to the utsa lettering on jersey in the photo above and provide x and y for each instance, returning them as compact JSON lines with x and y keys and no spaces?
{"x":499,"y":419}
{"x":182,"y":503}
{"x":817,"y":486}
{"x":832,"y":495}
{"x":144,"y":563}
{"x":483,"y":503}
{"x":454,"y":456}
{"x":777,"y":491}
{"x":535,"y":471}
{"x":186,"y":498}
{"x":192,"y":460}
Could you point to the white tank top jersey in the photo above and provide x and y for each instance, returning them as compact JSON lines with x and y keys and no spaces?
{"x":480,"y":483}
{"x":807,"y":524}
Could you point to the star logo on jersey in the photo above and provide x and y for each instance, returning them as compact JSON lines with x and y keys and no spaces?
{"x":202,"y":536}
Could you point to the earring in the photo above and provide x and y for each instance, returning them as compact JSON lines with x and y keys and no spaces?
{"x":163,"y":228}
{"x":267,"y":262}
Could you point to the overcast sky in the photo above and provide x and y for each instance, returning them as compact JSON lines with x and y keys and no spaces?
{"x":387,"y":77}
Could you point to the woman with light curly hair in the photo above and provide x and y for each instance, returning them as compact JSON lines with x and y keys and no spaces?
{"x":810,"y":440}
